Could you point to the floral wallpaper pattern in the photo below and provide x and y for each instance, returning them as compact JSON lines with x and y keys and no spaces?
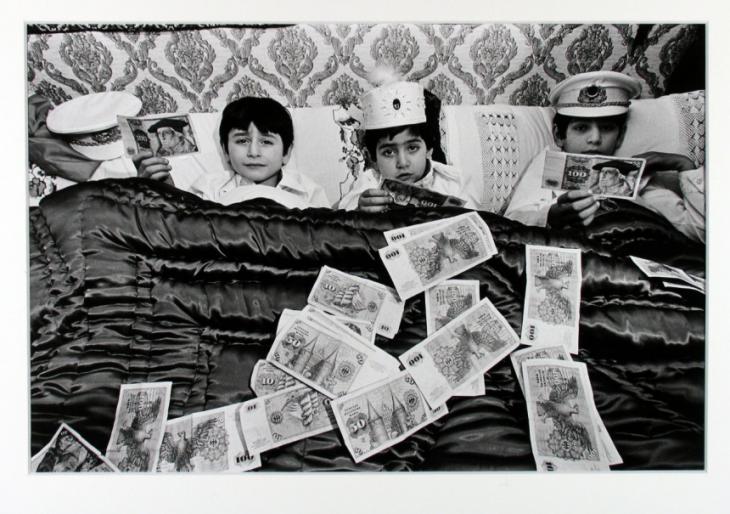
{"x":309,"y":65}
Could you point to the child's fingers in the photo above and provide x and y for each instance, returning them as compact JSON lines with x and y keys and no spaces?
{"x":373,"y":208}
{"x":160,"y":175}
{"x":572,"y":196}
{"x":588,"y":220}
{"x":590,"y":211}
{"x":139,"y":157}
{"x":375,"y":193}
{"x":148,"y":171}
{"x":582,"y":204}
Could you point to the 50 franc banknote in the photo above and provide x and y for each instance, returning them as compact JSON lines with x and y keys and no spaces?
{"x":383,"y":414}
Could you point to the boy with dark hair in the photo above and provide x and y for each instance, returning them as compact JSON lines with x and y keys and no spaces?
{"x":400,"y":143}
{"x":256,"y":135}
{"x":591,"y":114}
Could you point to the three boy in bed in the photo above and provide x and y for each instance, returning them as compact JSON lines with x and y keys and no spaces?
{"x":592,"y":109}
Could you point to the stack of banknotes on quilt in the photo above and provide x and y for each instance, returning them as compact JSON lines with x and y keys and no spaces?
{"x":324,"y":372}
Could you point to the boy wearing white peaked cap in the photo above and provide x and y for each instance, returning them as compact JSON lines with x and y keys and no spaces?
{"x":591,"y":111}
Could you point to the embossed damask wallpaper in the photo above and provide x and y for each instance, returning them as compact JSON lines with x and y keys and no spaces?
{"x":200,"y":69}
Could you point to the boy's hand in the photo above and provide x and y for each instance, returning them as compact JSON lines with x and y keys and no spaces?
{"x":573,"y":208}
{"x":374,"y":200}
{"x":661,"y":161}
{"x":156,"y":168}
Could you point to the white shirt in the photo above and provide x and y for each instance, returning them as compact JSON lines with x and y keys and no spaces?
{"x":221,"y":185}
{"x":293,"y":190}
{"x":440,"y":178}
{"x":683,"y":205}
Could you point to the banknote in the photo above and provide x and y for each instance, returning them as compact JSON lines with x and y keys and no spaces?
{"x":204,"y":442}
{"x":460,"y":351}
{"x":675,"y":285}
{"x":563,"y":426}
{"x":359,"y":328}
{"x":284,"y":417}
{"x":552,"y":296}
{"x":444,"y":302}
{"x":558,"y":352}
{"x":329,"y":362}
{"x":68,"y":451}
{"x":658,"y":270}
{"x":357,"y":298}
{"x":603,"y":175}
{"x":139,"y":425}
{"x":406,"y":194}
{"x":398,"y":235}
{"x":267,"y":379}
{"x":377,"y":417}
{"x":440,"y":253}
{"x":164,"y":136}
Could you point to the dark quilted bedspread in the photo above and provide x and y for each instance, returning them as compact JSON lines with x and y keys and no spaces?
{"x":132,"y":281}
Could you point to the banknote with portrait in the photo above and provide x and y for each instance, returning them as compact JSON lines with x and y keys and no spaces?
{"x":552,"y":296}
{"x":163,"y":136}
{"x":383,"y":414}
{"x":564,"y":431}
{"x":139,"y":425}
{"x":602,"y":175}
{"x":405,"y":194}
{"x":460,"y":351}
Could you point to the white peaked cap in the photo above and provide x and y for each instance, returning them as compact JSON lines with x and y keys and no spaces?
{"x":90,"y":123}
{"x":393,"y":105}
{"x":595,"y":94}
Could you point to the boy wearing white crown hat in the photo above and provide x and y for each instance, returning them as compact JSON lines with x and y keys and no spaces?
{"x":400,"y":144}
{"x":591,"y":113}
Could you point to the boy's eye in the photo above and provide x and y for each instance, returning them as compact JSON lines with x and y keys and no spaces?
{"x":608,"y":127}
{"x":414,"y":147}
{"x":580,"y":127}
{"x":387,"y":152}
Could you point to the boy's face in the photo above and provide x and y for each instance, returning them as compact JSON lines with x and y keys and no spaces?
{"x":403,"y":157}
{"x":590,"y":135}
{"x":255,"y":155}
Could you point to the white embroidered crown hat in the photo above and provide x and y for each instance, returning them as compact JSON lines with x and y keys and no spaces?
{"x":89,"y":123}
{"x":393,"y":103}
{"x":595,"y":94}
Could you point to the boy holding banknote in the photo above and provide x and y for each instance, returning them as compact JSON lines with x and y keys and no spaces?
{"x":591,"y":114}
{"x":256,"y":135}
{"x":400,"y":143}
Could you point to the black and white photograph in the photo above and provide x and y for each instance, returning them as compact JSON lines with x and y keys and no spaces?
{"x":210,"y":204}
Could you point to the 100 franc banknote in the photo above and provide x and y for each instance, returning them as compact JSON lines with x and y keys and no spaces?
{"x":552,"y":296}
{"x":462,"y":350}
{"x":383,"y":414}
{"x":424,"y":260}
{"x":564,"y":429}
{"x":139,"y":425}
{"x":207,"y":441}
